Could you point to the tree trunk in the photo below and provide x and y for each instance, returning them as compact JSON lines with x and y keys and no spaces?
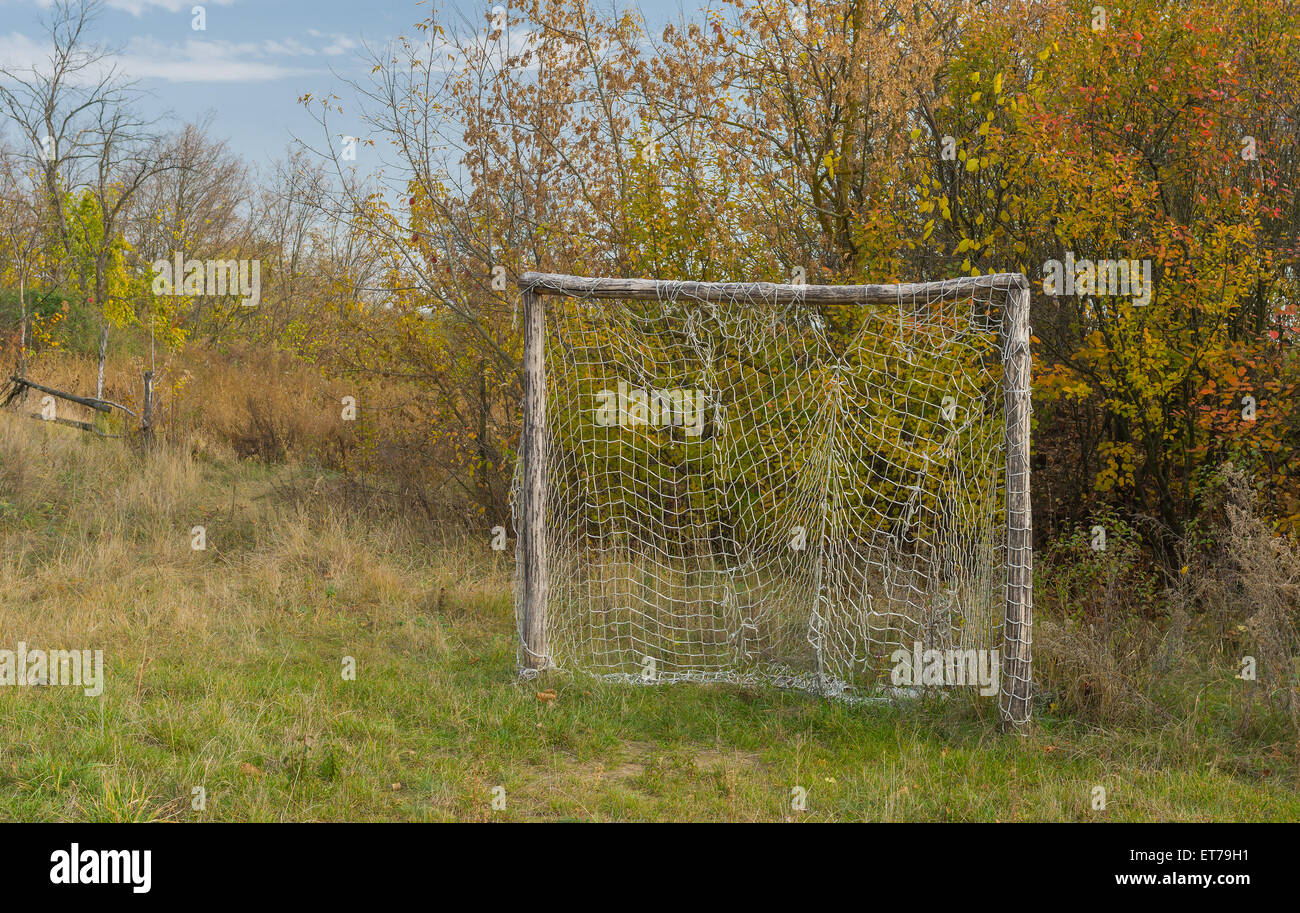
{"x":22,"y":332}
{"x":103,"y":355}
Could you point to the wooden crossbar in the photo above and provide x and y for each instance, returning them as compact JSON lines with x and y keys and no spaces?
{"x":666,"y":290}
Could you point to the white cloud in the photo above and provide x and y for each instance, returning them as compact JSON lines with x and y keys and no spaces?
{"x":340,"y":45}
{"x":140,"y":7}
{"x":211,"y":61}
{"x":288,"y":47}
{"x":194,"y":59}
{"x":18,"y":52}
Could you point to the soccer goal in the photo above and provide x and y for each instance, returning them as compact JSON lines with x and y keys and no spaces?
{"x":794,"y":484}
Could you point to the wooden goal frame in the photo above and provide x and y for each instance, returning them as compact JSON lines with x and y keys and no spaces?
{"x":532,"y":582}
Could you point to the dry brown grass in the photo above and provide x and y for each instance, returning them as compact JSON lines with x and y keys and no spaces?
{"x":268,"y":405}
{"x":1250,"y":583}
{"x":222,"y":670}
{"x":265,"y":404}
{"x":122,"y":566}
{"x":255,"y":402}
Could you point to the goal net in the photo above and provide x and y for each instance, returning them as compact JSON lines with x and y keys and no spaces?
{"x":767,"y":483}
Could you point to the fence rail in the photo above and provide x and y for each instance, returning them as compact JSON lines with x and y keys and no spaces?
{"x":18,"y":384}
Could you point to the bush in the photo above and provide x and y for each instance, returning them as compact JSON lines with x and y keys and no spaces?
{"x":1093,"y":634}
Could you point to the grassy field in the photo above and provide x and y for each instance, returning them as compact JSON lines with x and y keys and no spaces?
{"x":223,"y":671}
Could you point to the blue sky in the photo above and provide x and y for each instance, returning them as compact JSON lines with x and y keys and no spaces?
{"x":247,"y":69}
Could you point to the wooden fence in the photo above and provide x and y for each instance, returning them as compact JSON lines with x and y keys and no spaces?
{"x":18,"y":385}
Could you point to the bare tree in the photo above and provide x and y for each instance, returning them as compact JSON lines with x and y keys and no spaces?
{"x":201,"y":203}
{"x":76,"y":111}
{"x":20,"y":224}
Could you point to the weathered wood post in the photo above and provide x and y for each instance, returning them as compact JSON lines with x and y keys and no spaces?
{"x":531,"y":565}
{"x":1017,"y":627}
{"x":146,"y":411}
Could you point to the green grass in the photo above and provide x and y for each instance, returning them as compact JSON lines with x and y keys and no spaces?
{"x":223,"y":671}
